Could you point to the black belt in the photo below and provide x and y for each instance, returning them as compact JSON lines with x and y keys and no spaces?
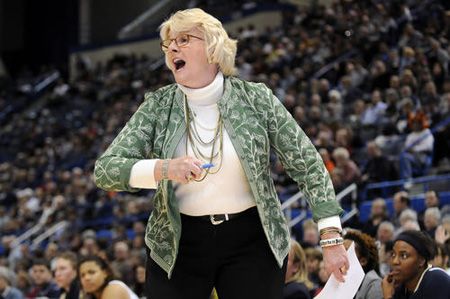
{"x":220,"y":218}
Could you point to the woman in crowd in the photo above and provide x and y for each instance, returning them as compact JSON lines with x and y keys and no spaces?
{"x":297,"y":284}
{"x":97,"y":282}
{"x":204,"y":143}
{"x":412,"y":277}
{"x":441,"y":258}
{"x":66,"y":275}
{"x":367,"y":253}
{"x":139,"y":280}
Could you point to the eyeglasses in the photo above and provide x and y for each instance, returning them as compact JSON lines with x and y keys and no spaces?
{"x":181,"y":41}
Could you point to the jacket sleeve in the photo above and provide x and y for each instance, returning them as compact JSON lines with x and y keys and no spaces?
{"x":301,"y":160}
{"x":133,"y":143}
{"x":374,"y":290}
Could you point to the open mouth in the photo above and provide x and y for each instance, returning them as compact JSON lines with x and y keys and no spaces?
{"x":179,"y":64}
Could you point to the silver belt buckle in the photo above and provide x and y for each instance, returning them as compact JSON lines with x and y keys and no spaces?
{"x":217,"y":222}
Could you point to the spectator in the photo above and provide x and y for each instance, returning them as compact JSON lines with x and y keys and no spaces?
{"x":442,"y":136}
{"x":350,"y":170}
{"x":311,"y":236}
{"x":431,"y":201}
{"x":407,"y":214}
{"x":23,"y":281}
{"x":411,"y":275}
{"x":43,"y":284}
{"x":430,"y":99}
{"x":65,"y":265}
{"x":441,"y":259}
{"x":410,"y":224}
{"x":374,"y":113}
{"x":385,"y":237}
{"x":442,"y":231}
{"x":378,"y":214}
{"x":389,"y":141}
{"x":7,"y":290}
{"x":297,"y":284}
{"x":313,"y":260}
{"x":401,"y":202}
{"x":139,"y":280}
{"x":378,"y":168}
{"x":121,"y":263}
{"x":323,"y":276}
{"x":416,"y":156}
{"x":431,"y":220}
{"x":329,"y":164}
{"x":89,"y":245}
{"x":97,"y":280}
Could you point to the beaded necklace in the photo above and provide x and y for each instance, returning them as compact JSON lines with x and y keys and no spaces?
{"x":194,"y":139}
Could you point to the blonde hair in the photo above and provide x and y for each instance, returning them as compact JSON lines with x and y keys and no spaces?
{"x":220,"y":48}
{"x":299,"y":258}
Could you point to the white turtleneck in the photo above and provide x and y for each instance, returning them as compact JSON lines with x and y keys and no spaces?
{"x":224,"y":192}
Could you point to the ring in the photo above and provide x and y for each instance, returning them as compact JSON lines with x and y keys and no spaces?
{"x":189,"y":177}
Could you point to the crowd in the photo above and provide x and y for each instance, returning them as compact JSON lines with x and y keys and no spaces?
{"x":366,"y":80}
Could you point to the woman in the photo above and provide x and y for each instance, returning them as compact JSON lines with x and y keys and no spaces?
{"x":367,"y":253}
{"x":378,"y":214}
{"x":204,"y":144}
{"x":139,"y":280}
{"x":412,"y":276}
{"x":66,"y":275}
{"x":97,"y":281}
{"x":323,"y":278}
{"x":297,"y":284}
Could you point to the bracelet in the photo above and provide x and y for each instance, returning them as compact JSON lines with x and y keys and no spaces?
{"x":331,"y":242}
{"x":165,"y":169}
{"x":328,"y":230}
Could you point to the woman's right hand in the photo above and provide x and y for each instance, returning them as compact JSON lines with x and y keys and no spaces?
{"x":388,"y":287}
{"x":181,"y":170}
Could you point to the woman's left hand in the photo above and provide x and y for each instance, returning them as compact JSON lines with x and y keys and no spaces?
{"x":336,"y":261}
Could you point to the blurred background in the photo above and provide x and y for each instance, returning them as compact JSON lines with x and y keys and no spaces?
{"x":368,"y":81}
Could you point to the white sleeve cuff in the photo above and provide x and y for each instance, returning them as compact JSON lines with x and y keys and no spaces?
{"x":142,"y":174}
{"x":333,"y":221}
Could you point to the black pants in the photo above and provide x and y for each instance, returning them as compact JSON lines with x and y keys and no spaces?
{"x":234,"y":257}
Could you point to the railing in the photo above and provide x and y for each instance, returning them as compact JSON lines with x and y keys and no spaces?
{"x":151,"y":16}
{"x":48,"y":233}
{"x":332,"y":65}
{"x":286,"y":206}
{"x":32,"y":91}
{"x":425,"y":181}
{"x":353,"y":189}
{"x":46,"y":82}
{"x":36,"y":228}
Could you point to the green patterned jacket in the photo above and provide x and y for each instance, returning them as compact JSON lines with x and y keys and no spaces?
{"x":255,"y":121}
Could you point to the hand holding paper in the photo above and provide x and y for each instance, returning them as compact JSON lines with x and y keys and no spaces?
{"x":355,"y":275}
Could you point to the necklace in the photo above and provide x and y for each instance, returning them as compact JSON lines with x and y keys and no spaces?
{"x":421,"y":277}
{"x":195,"y":141}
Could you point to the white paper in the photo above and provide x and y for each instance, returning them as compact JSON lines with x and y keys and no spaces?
{"x":344,"y":290}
